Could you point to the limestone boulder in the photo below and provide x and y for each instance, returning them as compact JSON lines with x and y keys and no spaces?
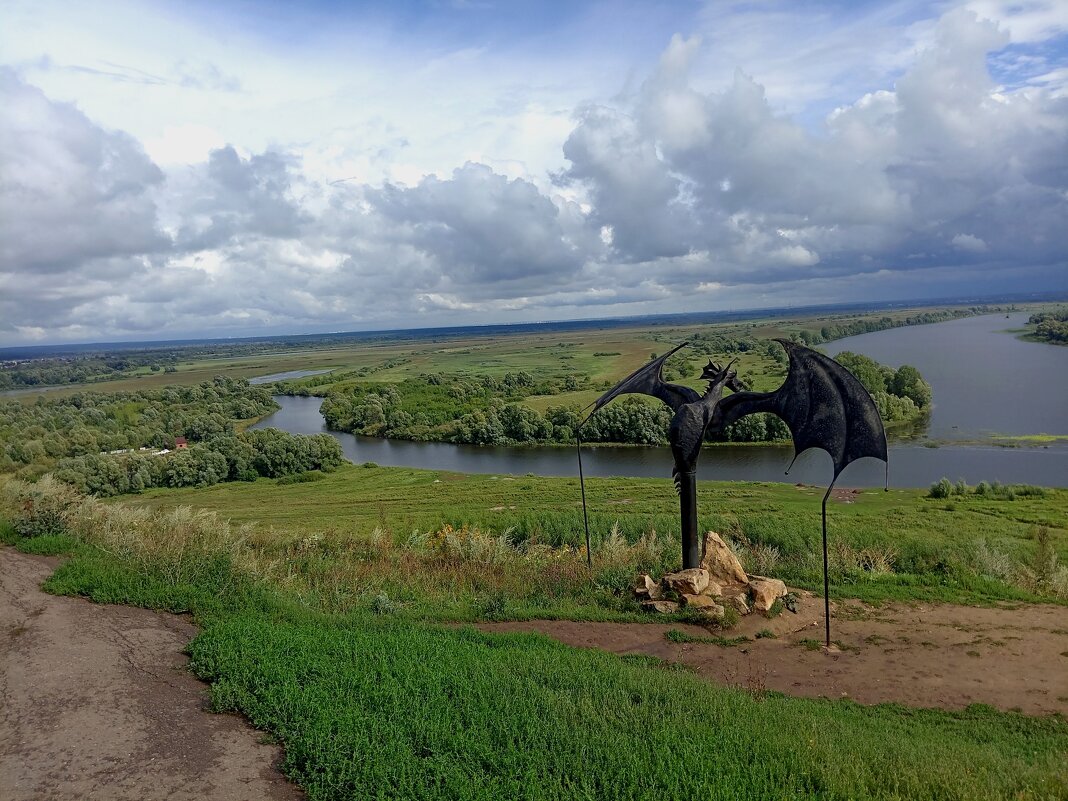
{"x":738,"y":603}
{"x":662,"y":607}
{"x":713,"y":590}
{"x":687,"y":582}
{"x":765,"y":592}
{"x":697,"y":601}
{"x":720,"y":562}
{"x":647,"y":589}
{"x":707,"y":607}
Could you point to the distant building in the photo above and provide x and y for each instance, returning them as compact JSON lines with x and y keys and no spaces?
{"x":179,"y":443}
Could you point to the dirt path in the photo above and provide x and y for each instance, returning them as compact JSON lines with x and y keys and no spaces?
{"x":96,"y":704}
{"x":923,"y":655}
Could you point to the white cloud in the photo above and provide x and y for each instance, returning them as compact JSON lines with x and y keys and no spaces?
{"x":367,"y":189}
{"x":183,"y":144}
{"x":969,"y":243}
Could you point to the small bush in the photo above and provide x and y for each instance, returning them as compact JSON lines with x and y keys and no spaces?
{"x":40,"y":509}
{"x":300,"y":478}
{"x":382,"y":604}
{"x":941,"y":489}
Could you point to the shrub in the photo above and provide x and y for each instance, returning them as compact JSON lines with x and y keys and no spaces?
{"x":39,"y":509}
{"x":941,"y":489}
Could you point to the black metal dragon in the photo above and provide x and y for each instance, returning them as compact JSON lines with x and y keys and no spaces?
{"x":821,"y":402}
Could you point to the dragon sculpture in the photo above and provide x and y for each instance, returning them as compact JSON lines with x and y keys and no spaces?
{"x":821,"y":402}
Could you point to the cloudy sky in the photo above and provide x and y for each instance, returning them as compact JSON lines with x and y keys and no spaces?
{"x":222,"y":168}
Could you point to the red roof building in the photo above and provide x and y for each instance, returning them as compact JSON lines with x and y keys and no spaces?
{"x":179,"y":442}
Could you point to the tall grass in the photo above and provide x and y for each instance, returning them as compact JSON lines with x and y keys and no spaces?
{"x":381,"y":706}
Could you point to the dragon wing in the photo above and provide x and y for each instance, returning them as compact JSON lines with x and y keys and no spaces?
{"x":822,"y":403}
{"x":646,"y":380}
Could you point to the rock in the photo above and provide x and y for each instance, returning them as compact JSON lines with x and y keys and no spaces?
{"x":687,"y":582}
{"x":765,"y":592}
{"x":707,"y":608}
{"x":716,"y":612}
{"x":720,"y":562}
{"x":644,"y":586}
{"x":739,"y":604}
{"x":697,"y":601}
{"x":663,"y":607}
{"x":713,"y":590}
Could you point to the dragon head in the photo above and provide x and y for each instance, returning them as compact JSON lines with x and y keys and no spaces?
{"x":717,"y":375}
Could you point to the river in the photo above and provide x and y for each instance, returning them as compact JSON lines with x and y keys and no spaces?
{"x":984,"y":380}
{"x":940,"y":351}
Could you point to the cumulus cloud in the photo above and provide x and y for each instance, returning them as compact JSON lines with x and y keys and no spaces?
{"x":674,"y":197}
{"x":969,"y":243}
{"x":485,"y":230}
{"x":70,"y":191}
{"x":891,"y":181}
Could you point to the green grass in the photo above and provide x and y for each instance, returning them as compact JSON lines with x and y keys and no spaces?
{"x":543,"y":353}
{"x":46,"y":545}
{"x":1031,"y":439}
{"x":675,"y":635}
{"x":935,"y":548}
{"x":374,"y":702}
{"x":372,"y":707}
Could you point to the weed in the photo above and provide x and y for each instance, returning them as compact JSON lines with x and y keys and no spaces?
{"x":382,"y":604}
{"x":299,"y":478}
{"x":675,"y":635}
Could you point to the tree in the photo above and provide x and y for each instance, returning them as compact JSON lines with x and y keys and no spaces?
{"x":869,"y":372}
{"x":908,"y":383}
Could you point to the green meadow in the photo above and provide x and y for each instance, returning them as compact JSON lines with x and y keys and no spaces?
{"x":599,"y":353}
{"x":332,"y":605}
{"x":899,"y":544}
{"x":374,"y":700}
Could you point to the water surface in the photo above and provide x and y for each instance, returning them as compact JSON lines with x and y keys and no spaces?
{"x":911,"y":465}
{"x":984,"y":380}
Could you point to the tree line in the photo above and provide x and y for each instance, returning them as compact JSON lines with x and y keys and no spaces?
{"x":1051,"y":326}
{"x":246,"y":456}
{"x":490,"y":411}
{"x":93,"y":440}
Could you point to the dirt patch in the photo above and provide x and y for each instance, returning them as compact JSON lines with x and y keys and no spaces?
{"x":924,"y":655}
{"x":97,"y":703}
{"x":844,"y":494}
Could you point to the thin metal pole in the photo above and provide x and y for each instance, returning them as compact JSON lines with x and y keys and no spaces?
{"x":826,"y":580}
{"x":582,"y":484}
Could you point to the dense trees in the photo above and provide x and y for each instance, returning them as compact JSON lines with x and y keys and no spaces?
{"x":93,"y":440}
{"x":90,"y":422}
{"x":900,"y":394}
{"x":1051,"y":326}
{"x":242,"y":457}
{"x":866,"y":326}
{"x":454,"y":408}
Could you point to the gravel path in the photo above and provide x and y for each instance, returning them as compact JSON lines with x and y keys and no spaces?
{"x":96,"y":703}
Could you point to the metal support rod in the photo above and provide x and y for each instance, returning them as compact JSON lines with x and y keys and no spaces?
{"x":585,"y":517}
{"x":691,"y":546}
{"x":826,"y":579}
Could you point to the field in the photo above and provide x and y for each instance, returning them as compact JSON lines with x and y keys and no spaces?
{"x":369,"y":698}
{"x":602,"y":353}
{"x":887,"y":545}
{"x":339,"y":612}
